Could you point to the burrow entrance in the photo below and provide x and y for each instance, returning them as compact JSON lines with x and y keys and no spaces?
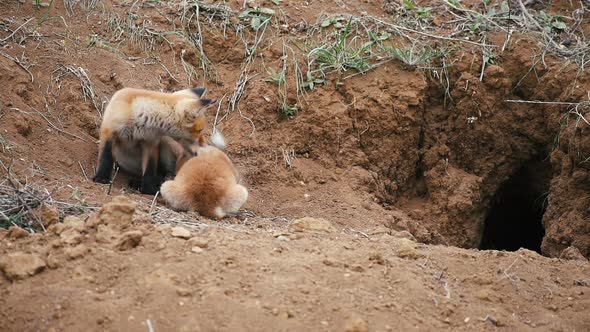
{"x":515,"y":219}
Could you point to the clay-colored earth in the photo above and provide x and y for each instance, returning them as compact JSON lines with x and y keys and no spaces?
{"x":394,"y":199}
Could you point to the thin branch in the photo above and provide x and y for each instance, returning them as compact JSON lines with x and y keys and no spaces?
{"x":56,"y":128}
{"x":17,"y":29}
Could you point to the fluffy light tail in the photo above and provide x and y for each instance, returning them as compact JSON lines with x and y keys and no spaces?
{"x":217,"y":140}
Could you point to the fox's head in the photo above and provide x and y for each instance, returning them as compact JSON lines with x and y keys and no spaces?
{"x":191,"y":93}
{"x":191,"y":110}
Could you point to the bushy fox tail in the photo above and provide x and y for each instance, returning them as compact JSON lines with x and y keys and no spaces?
{"x":217,"y":140}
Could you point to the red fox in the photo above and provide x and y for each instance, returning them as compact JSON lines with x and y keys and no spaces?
{"x":133,"y":124}
{"x":207,"y":183}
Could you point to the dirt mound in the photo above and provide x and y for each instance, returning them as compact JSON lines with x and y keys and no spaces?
{"x":125,"y":275}
{"x":374,"y":138}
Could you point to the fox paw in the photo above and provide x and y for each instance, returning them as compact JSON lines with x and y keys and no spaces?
{"x":150,"y":185}
{"x":101,"y":179}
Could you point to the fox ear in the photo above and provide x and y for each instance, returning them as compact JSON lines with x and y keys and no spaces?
{"x":206,"y":102}
{"x":200,"y":91}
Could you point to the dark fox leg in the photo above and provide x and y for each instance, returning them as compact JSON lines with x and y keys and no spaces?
{"x":150,"y":181}
{"x":105,"y":163}
{"x":134,"y":183}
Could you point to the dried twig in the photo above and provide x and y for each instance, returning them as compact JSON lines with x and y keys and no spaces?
{"x":85,"y":83}
{"x":23,"y":202}
{"x":113,"y":180}
{"x":544,"y":102}
{"x":56,"y":128}
{"x":20,"y":62}
{"x":15,"y":30}
{"x":83,"y":171}
{"x":154,"y":201}
{"x":149,"y":325}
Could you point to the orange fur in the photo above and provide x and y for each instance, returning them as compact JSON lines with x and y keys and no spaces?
{"x":207,"y":183}
{"x":127,"y":107}
{"x":134,"y":122}
{"x":198,"y":128}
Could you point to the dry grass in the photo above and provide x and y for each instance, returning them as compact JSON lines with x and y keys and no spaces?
{"x":88,"y":91}
{"x":18,"y":200}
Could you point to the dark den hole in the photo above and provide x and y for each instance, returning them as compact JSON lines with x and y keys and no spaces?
{"x":515,"y":219}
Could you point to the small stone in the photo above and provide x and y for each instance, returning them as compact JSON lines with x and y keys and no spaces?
{"x":357,"y":268}
{"x":15,"y":232}
{"x":483,"y":294}
{"x":572,"y":253}
{"x":48,"y":214}
{"x":379,"y":231}
{"x":283,"y":238}
{"x":181,"y":232}
{"x":76,"y":252}
{"x":183,"y":291}
{"x":286,"y":314}
{"x":198,"y":242}
{"x":197,"y":250}
{"x":53,"y":261}
{"x":356,"y":324}
{"x":407,"y":249}
{"x":19,"y":265}
{"x":275,"y":311}
{"x":493,"y":320}
{"x":311,"y":225}
{"x":129,"y":240}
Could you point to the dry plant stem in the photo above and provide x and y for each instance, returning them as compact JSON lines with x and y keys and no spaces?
{"x":113,"y":180}
{"x":83,"y":171}
{"x":149,"y":325}
{"x":205,"y":63}
{"x":361,"y":233}
{"x":17,"y":29}
{"x":465,"y":10}
{"x":243,"y":78}
{"x":19,"y":63}
{"x":154,"y":201}
{"x":217,"y":113}
{"x":545,"y":102}
{"x":85,"y":83}
{"x":56,"y":128}
{"x":528,"y":16}
{"x":399,"y":27}
{"x":22,"y":202}
{"x":169,"y":73}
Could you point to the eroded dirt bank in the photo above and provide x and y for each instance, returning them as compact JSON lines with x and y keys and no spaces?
{"x":405,"y":143}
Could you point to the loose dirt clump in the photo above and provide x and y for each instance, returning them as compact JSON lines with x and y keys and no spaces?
{"x":411,"y":165}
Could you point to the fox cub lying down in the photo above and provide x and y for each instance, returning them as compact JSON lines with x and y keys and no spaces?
{"x":207,"y":183}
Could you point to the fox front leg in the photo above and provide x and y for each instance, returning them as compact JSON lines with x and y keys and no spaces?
{"x":105,"y":162}
{"x":150,"y":180}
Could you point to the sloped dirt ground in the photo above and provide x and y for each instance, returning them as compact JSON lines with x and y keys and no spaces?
{"x":401,"y":170}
